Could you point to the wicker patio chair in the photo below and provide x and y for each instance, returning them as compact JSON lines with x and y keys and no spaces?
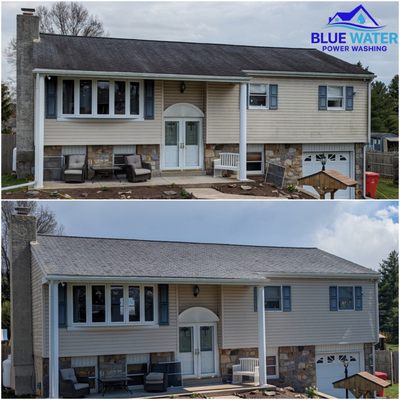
{"x":156,"y":382}
{"x":70,"y":386}
{"x":75,"y":168}
{"x":136,"y":169}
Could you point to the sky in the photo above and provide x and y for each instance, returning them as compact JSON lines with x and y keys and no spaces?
{"x":363,"y":232}
{"x":274,"y":23}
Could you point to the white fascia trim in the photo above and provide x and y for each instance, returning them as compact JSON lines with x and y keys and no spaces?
{"x":309,"y":74}
{"x":210,"y":281}
{"x":368,"y":276}
{"x":138,"y":75}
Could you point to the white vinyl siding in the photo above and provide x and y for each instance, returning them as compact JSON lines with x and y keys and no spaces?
{"x":208,"y":297}
{"x":37,"y":308}
{"x":309,"y":323}
{"x":107,"y":132}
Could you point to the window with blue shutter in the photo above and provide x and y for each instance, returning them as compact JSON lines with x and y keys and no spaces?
{"x":163,"y":305}
{"x":148,"y":99}
{"x":349,"y":98}
{"x":287,"y":298}
{"x":273,"y":97}
{"x":62,"y":305}
{"x":51,"y":97}
{"x":333,"y":298}
{"x":255,"y":299}
{"x":322,"y":98}
{"x":358,"y":298}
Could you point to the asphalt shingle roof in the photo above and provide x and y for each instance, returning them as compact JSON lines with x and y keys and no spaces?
{"x":80,"y":256}
{"x":183,"y":58}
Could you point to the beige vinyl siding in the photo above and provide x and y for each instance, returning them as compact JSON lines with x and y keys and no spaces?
{"x":298,"y":120}
{"x":309,"y":323}
{"x":37,"y":308}
{"x":222,"y":113}
{"x":194,"y":94}
{"x":207,"y":298}
{"x":106,"y":132}
{"x":121,"y":340}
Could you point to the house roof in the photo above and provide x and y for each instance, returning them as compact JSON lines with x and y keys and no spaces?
{"x":77,"y":53}
{"x":97,"y":257}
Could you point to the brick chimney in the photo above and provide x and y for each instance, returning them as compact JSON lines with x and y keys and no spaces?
{"x":27,"y":32}
{"x":23,"y":231}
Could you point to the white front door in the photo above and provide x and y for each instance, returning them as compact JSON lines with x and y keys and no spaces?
{"x":182,"y":143}
{"x":197,"y":350}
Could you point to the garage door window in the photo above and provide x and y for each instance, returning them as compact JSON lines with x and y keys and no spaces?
{"x":346,"y":298}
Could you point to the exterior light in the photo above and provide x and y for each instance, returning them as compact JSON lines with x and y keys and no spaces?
{"x":183,"y":87}
{"x":346,"y":372}
{"x":323,"y":162}
{"x":196,"y":291}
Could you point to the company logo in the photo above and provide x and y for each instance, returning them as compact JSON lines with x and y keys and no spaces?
{"x":359,"y":19}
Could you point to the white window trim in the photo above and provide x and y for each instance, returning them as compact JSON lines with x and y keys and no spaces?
{"x":273,"y":354}
{"x":354,"y":298}
{"x":266,"y":107}
{"x":94,"y":115}
{"x":108,"y":322}
{"x":281,"y":300}
{"x":343,"y":98}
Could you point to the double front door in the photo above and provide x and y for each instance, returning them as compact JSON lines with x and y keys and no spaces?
{"x":182,"y":144}
{"x":197,"y":350}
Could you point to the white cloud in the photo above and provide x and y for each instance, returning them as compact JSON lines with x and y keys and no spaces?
{"x":364,"y":239}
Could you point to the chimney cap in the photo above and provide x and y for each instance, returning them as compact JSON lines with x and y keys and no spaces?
{"x":22,"y":210}
{"x":28,"y":11}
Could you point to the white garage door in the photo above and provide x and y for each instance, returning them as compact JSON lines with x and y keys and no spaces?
{"x":339,"y":161}
{"x":330,"y":369}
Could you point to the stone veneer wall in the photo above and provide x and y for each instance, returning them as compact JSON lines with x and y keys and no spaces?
{"x":288,"y":156}
{"x":150,"y":154}
{"x":229,"y":357}
{"x":369,"y":357}
{"x":212,"y":153}
{"x":359,"y":168}
{"x":297,"y":366}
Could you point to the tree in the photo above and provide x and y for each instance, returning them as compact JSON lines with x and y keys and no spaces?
{"x":380,"y":105}
{"x":7,"y":108}
{"x":393,"y":117}
{"x":389,"y":297}
{"x":62,"y":18}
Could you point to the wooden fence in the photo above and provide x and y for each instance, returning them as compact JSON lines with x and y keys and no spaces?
{"x":7,"y":145}
{"x":385,"y":164}
{"x":388,"y":361}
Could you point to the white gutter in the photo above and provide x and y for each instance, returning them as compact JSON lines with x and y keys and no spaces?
{"x":309,"y":74}
{"x":377,"y":310}
{"x":278,"y":275}
{"x":140,"y":75}
{"x":32,"y":183}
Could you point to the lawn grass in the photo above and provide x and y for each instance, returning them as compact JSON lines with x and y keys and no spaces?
{"x":387,"y":189}
{"x":392,"y":391}
{"x":392,"y":346}
{"x":11,"y":180}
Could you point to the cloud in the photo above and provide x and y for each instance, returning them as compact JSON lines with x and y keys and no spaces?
{"x":363,"y":239}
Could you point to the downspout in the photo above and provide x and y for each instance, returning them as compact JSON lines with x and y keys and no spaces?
{"x":32,"y":183}
{"x":369,"y":140}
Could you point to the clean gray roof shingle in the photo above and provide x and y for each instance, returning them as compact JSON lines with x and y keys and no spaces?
{"x":183,"y":58}
{"x":81,"y":256}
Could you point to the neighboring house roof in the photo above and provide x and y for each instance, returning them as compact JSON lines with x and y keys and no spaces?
{"x":98,"y":257}
{"x":77,"y":53}
{"x":383,"y":134}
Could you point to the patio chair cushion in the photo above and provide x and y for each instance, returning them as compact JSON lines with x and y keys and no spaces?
{"x":73,"y":171}
{"x":79,"y":386}
{"x":76,"y":161}
{"x":142,"y":171}
{"x":68,"y":374}
{"x":135,"y":161}
{"x":155,"y":377}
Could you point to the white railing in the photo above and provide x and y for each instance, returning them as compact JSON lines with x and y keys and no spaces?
{"x":246,"y":367}
{"x":227,"y":161}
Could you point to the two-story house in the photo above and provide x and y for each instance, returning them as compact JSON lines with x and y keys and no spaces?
{"x":99,"y":305}
{"x":180,"y":104}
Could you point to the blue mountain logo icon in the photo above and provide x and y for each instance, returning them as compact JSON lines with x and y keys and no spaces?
{"x":358,"y":19}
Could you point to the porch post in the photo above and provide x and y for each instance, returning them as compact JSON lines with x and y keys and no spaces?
{"x":243,"y":132}
{"x":262,"y":351}
{"x":53,"y":340}
{"x":39,"y":130}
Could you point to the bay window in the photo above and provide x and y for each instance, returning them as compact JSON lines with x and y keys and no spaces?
{"x":98,"y":303}
{"x":117,"y":303}
{"x":79,"y":304}
{"x":134,"y":303}
{"x":103,"y":97}
{"x":85,"y":97}
{"x":68,"y":103}
{"x":119,"y":97}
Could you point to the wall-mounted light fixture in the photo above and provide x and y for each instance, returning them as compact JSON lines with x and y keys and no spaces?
{"x":183,"y":87}
{"x":196,"y":291}
{"x":323,"y":161}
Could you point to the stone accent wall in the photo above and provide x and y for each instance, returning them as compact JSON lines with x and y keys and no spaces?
{"x":288,"y":156}
{"x":162,"y":357}
{"x":359,"y":167}
{"x":229,"y":357}
{"x":150,"y":154}
{"x":100,"y":155}
{"x":110,"y":366}
{"x":212,"y":153}
{"x":297,"y":366}
{"x":369,"y":357}
{"x":53,"y":163}
{"x":52,"y":151}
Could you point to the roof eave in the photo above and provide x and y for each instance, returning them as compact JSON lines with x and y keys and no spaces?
{"x":252,"y":73}
{"x":369,"y":275}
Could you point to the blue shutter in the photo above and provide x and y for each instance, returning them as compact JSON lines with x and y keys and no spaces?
{"x":322,"y":97}
{"x":255,"y":299}
{"x":358,"y":297}
{"x":51,"y":97}
{"x":287,"y":298}
{"x":273,"y":97}
{"x":349,"y":98}
{"x":62,"y":305}
{"x":163,"y":305}
{"x":148,"y":99}
{"x":333,"y":298}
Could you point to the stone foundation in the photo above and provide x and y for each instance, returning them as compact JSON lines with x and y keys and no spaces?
{"x":100,"y":155}
{"x":288,"y":156}
{"x":229,"y":357}
{"x":212,"y":151}
{"x":369,"y":357}
{"x":162,"y":357}
{"x":150,"y":154}
{"x":297,"y":366}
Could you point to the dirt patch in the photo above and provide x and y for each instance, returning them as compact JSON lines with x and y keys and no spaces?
{"x":278,"y":393}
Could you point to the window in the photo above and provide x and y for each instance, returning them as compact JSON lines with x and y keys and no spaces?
{"x":117,"y":303}
{"x":85,"y":97}
{"x":103,"y":97}
{"x":258,"y":97}
{"x":119,"y":97}
{"x":271,"y":366}
{"x":149,"y":303}
{"x":134,"y":98}
{"x":335,"y":97}
{"x":68,"y":97}
{"x":346,"y":297}
{"x":273,"y":298}
{"x":79,"y":304}
{"x":134,"y":303}
{"x":98,"y":303}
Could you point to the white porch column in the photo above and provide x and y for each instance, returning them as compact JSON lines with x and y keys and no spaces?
{"x":53,"y":340}
{"x":262,"y":351}
{"x":243,"y":132}
{"x":39,"y":130}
